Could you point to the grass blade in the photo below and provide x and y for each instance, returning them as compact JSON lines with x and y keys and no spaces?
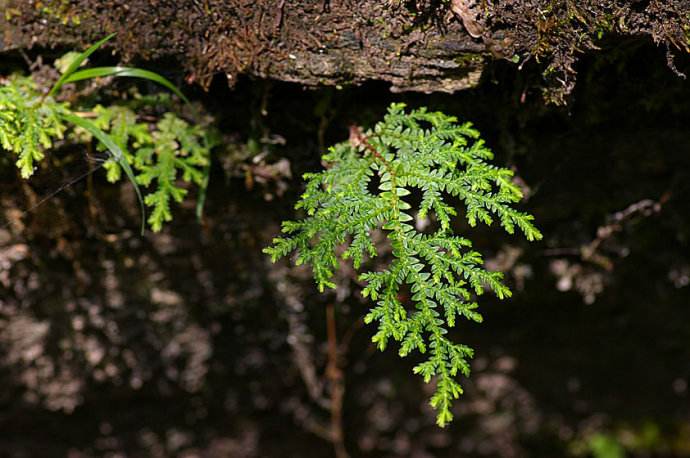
{"x":98,"y":72}
{"x":115,"y":151}
{"x":203,"y":189}
{"x":76,"y":63}
{"x":211,"y":140}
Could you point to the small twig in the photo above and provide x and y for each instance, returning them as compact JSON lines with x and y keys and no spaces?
{"x":337,"y":387}
{"x":357,"y":138}
{"x":670,"y":62}
{"x":317,"y":428}
{"x":279,"y":17}
{"x":589,"y":252}
{"x":303,"y":358}
{"x":85,"y":114}
{"x":347,"y":337}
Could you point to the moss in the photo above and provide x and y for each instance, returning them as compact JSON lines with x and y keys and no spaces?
{"x":648,"y":437}
{"x":60,"y":10}
{"x":11,"y":13}
{"x":235,"y":39}
{"x":468,"y":59}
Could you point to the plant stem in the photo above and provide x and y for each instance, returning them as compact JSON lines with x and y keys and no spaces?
{"x":337,"y":386}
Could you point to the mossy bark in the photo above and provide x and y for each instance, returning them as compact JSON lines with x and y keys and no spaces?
{"x":423,"y":45}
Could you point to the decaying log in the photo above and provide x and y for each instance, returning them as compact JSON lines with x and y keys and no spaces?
{"x":422,"y":45}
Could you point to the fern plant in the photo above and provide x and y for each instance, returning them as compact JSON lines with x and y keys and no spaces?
{"x":155,"y":155}
{"x":160,"y":155}
{"x":429,"y":154}
{"x":27,"y":126}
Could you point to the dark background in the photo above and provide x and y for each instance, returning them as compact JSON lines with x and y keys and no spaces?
{"x":183,"y":343}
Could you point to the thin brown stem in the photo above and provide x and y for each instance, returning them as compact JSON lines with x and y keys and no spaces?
{"x":337,"y":386}
{"x":357,"y":138}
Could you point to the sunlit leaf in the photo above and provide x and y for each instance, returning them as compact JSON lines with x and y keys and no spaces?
{"x":100,"y":72}
{"x":76,"y":63}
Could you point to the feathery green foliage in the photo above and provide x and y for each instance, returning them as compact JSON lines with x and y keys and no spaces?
{"x":159,"y":154}
{"x":429,"y":154}
{"x":156,"y":155}
{"x":28,"y":126}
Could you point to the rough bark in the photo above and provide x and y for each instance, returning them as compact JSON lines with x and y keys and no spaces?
{"x":423,"y":45}
{"x":312,"y":42}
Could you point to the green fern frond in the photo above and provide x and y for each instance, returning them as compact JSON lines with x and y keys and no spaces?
{"x":161,"y":155}
{"x":27,"y":125}
{"x":164,"y":153}
{"x":170,"y":150}
{"x":426,"y":153}
{"x":121,"y":124}
{"x":177,"y":150}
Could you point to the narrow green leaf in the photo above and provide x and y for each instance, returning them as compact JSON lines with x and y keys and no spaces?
{"x":76,"y":63}
{"x":203,"y":188}
{"x":130,"y":72}
{"x":116,"y":153}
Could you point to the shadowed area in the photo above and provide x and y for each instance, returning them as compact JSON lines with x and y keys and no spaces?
{"x":190,"y":343}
